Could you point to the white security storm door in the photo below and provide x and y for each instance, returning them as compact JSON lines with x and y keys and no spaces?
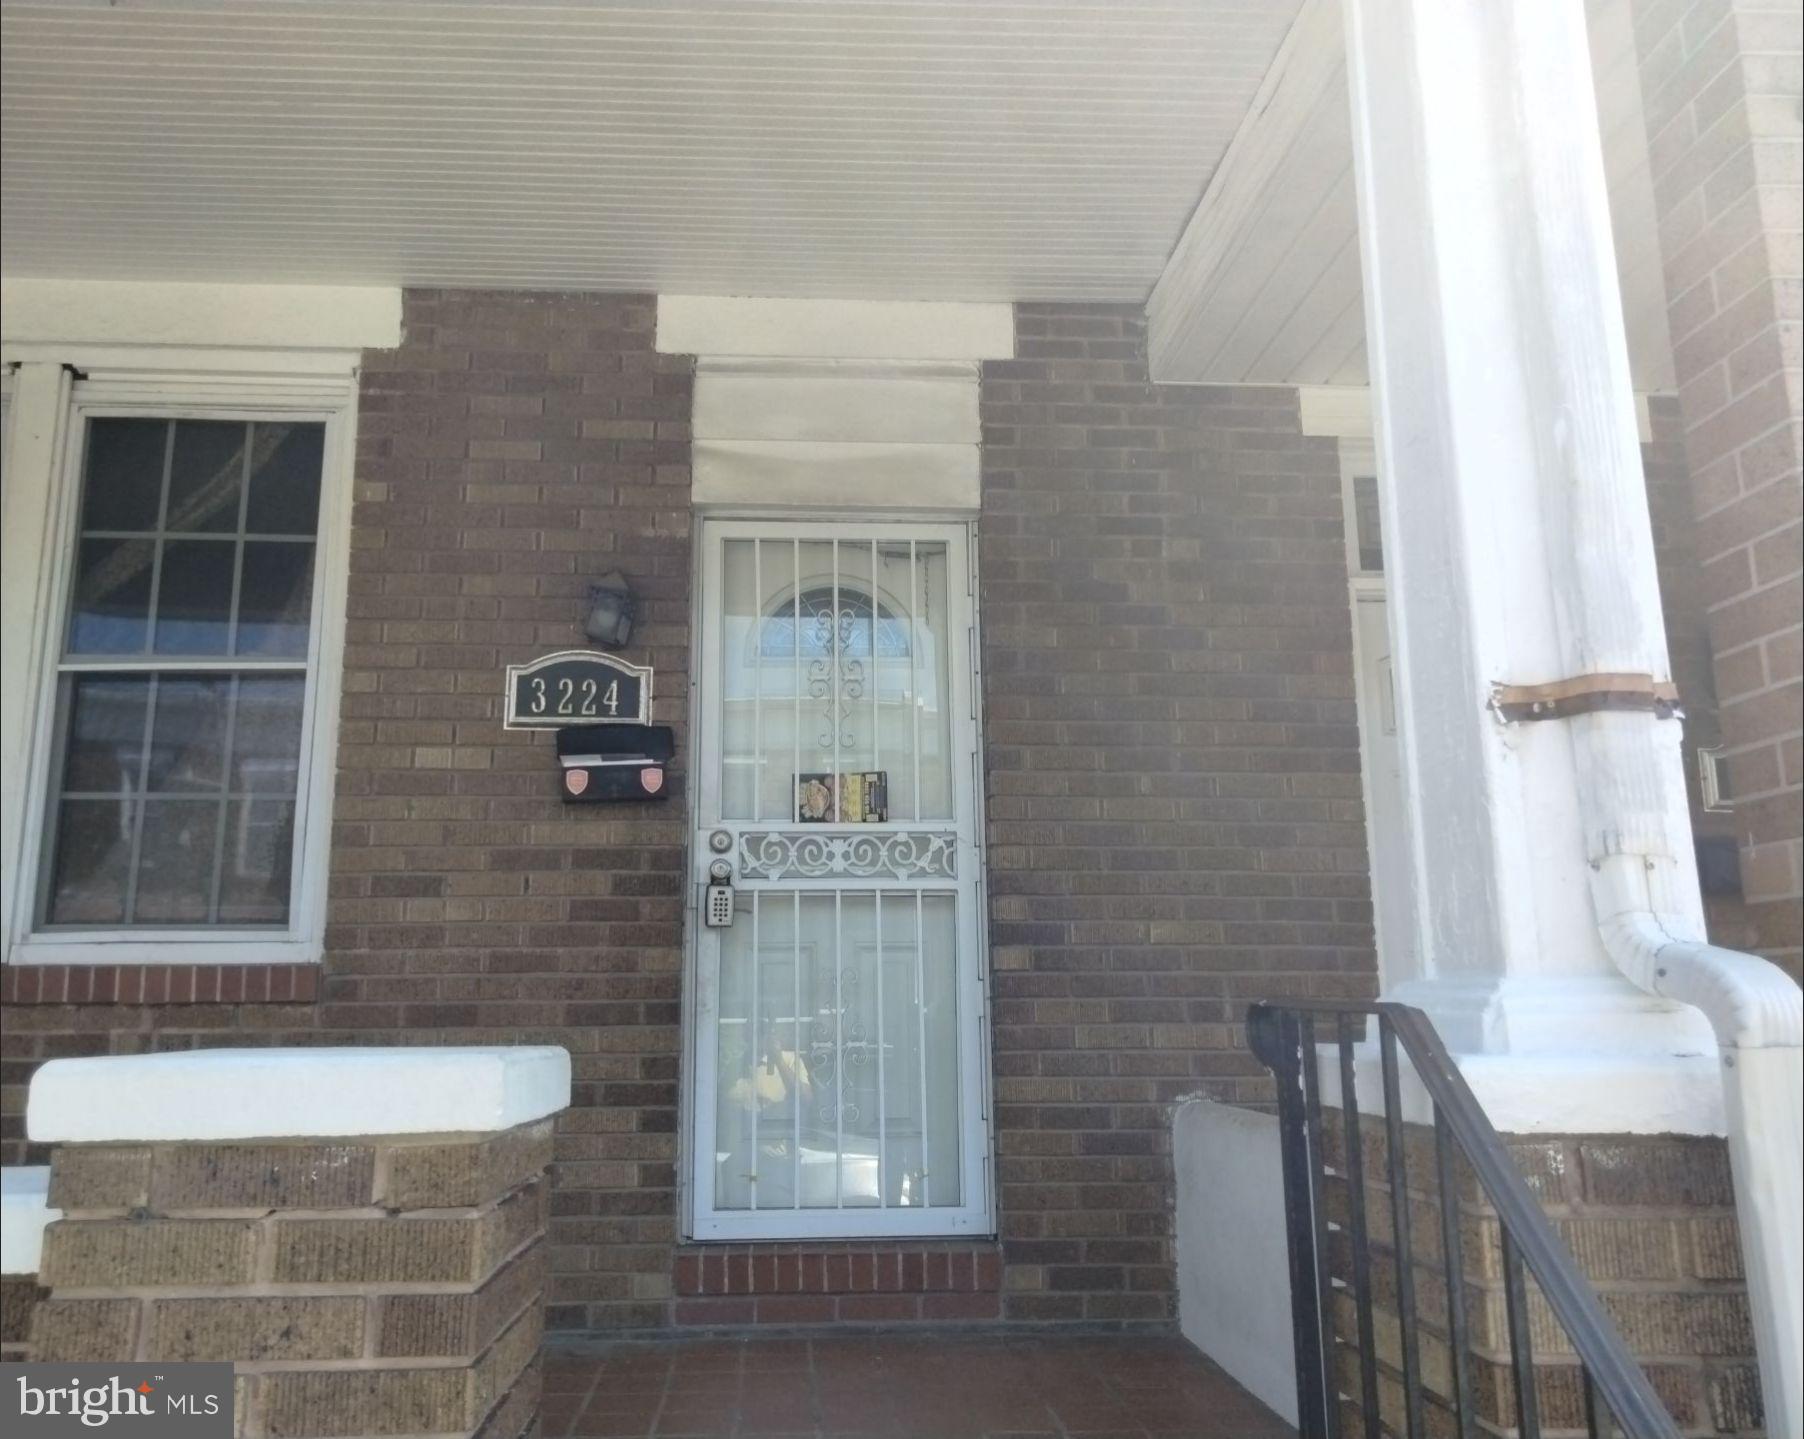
{"x":839,"y":1050}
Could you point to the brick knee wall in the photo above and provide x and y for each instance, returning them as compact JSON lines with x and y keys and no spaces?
{"x":1172,"y":761}
{"x":357,"y":1286}
{"x":1650,"y":1221}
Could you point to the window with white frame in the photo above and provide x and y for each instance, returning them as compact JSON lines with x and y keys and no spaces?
{"x":180,"y":682}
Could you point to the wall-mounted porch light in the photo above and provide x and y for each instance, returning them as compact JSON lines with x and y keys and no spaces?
{"x":612,"y":608}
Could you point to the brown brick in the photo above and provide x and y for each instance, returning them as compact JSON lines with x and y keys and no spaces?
{"x":261,"y":1176}
{"x":268,"y":1327}
{"x":459,"y":1325}
{"x":506,"y":1360}
{"x":99,"y":1176}
{"x":151,"y":1253}
{"x":1735,"y":1406}
{"x":435,"y":1176}
{"x":83,"y":1330}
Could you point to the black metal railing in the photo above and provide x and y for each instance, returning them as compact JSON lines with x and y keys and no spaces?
{"x":1614,"y":1391}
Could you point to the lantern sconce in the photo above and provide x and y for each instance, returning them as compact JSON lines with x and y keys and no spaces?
{"x":612,"y":609}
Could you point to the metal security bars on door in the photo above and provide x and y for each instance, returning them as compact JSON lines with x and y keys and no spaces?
{"x":1387,"y":1233}
{"x":837,"y":1067}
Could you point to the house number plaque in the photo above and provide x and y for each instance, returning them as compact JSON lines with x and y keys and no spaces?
{"x":577,"y":687}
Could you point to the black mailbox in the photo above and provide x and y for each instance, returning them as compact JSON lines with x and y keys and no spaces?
{"x":614,"y":762}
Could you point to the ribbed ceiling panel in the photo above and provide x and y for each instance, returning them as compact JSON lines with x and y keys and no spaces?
{"x":966,"y":149}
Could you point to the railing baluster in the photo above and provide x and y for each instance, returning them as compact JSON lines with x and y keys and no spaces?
{"x":1397,"y":1164}
{"x":1453,"y":1265}
{"x":1522,"y":1358}
{"x":1324,"y":1284}
{"x":1617,"y":1396}
{"x":1358,"y":1232}
{"x":1274,"y":1038}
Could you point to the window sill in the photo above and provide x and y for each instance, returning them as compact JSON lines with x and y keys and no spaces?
{"x":158,"y":983}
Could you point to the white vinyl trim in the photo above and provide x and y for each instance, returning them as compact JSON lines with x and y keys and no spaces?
{"x":976,"y":1214}
{"x":41,"y":555}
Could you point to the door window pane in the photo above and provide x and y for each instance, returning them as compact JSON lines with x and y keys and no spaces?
{"x":834,"y":665}
{"x":176,"y":788}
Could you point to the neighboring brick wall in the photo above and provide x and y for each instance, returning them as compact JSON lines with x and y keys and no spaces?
{"x":1172,"y":756}
{"x":1651,"y":1222}
{"x":1720,"y":88}
{"x":1687,"y":618}
{"x":412,"y":1275}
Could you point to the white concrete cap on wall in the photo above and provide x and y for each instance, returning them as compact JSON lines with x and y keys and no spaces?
{"x":295,"y":1093}
{"x":24,"y":1212}
{"x":729,"y":325}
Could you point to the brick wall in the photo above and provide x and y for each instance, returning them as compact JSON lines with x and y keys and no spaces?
{"x":514,"y":448}
{"x":1687,"y":615}
{"x":1720,"y":86}
{"x":1175,"y":824}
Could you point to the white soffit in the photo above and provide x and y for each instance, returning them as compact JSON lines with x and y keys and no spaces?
{"x":1263,"y":287}
{"x":100,"y":312}
{"x":295,"y":1093}
{"x":907,"y":149}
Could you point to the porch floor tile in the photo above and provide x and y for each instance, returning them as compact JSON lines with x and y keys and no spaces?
{"x":898,"y":1386}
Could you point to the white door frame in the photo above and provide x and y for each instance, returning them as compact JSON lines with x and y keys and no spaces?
{"x":976,"y":1216}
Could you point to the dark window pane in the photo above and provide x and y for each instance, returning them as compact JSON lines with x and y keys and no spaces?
{"x":285,"y":470}
{"x":206,"y":472}
{"x":104,"y":738}
{"x":275,"y":599}
{"x":93,"y":851}
{"x":111,"y":610}
{"x":266,"y":739}
{"x":259,"y":855}
{"x":194,"y":604}
{"x":175,"y":861}
{"x":187,"y":739}
{"x":124,"y":474}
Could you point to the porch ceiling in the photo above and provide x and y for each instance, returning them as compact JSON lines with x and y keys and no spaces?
{"x":1264,"y":284}
{"x":946,"y":149}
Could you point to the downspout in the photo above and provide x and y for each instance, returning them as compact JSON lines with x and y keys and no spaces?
{"x":1643,"y":880}
{"x":1754,"y":1007}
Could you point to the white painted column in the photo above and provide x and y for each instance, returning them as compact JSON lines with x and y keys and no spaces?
{"x":1501,"y":391}
{"x":1560,"y":923}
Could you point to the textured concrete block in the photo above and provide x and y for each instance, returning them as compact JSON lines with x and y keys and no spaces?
{"x":262,"y":1176}
{"x":516,"y":1413}
{"x":85,"y":1330}
{"x":506,"y":1360}
{"x":377,"y":1251}
{"x":325,"y":1405}
{"x":269,"y":1327}
{"x":382,"y":1249}
{"x":135,"y":1254}
{"x":19,"y":1295}
{"x":1659,"y":1172}
{"x":435,"y":1176}
{"x":99,"y":1176}
{"x":460,"y":1325}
